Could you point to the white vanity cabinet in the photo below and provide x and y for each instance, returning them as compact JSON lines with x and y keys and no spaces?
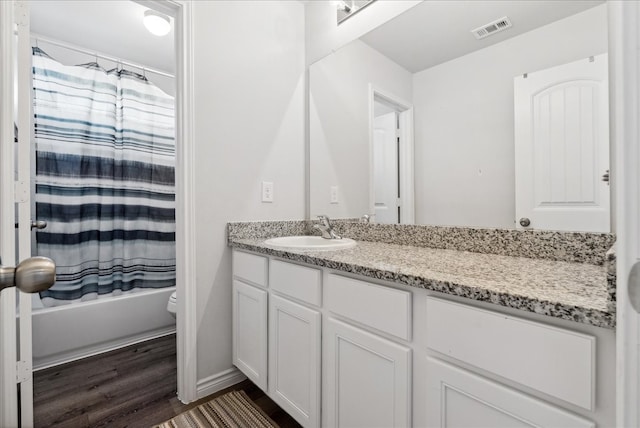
{"x":457,"y":398}
{"x":557,"y":362}
{"x":249,"y":326}
{"x":250,"y":332}
{"x":368,"y":379}
{"x":336,"y":350}
{"x":294,"y":340}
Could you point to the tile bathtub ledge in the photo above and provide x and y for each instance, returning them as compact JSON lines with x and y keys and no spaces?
{"x":571,"y":291}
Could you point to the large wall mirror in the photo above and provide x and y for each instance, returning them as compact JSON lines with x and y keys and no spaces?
{"x":424,"y":121}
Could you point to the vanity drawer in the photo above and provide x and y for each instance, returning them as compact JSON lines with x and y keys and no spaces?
{"x":300,"y":282}
{"x":383,"y":308}
{"x":250,"y":267}
{"x":549,"y":359}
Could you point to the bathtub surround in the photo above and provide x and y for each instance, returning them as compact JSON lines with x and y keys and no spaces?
{"x":70,"y":332}
{"x":470,"y":263}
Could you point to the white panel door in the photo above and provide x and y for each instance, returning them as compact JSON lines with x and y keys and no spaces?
{"x":385,"y":168}
{"x":459,"y":399}
{"x":562,"y":147}
{"x":367,"y":379}
{"x":250,"y":332}
{"x":294,"y":359}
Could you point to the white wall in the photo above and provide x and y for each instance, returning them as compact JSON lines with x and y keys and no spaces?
{"x":324,"y":35}
{"x":339,"y":124}
{"x":464,"y":132}
{"x":249,"y":127}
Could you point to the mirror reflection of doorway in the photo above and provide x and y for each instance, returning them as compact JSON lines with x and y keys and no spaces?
{"x":386,"y":183}
{"x":392,"y":161}
{"x":562,"y":147}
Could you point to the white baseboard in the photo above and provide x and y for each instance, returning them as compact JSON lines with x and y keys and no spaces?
{"x":218,"y":382}
{"x":90,"y":351}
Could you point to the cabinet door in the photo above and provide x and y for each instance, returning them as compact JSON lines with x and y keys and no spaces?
{"x":457,"y":398}
{"x":367,"y":379}
{"x":294,"y":359}
{"x":250,"y":332}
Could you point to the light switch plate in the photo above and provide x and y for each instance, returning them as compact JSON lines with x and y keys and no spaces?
{"x":334,"y":194}
{"x":267,"y":191}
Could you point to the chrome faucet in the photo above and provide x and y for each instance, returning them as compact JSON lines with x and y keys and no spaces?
{"x":325,"y":228}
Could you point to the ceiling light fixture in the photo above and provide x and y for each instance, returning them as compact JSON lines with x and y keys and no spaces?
{"x":157,"y":23}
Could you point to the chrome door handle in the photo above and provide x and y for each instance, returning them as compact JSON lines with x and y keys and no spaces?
{"x":32,"y":275}
{"x":36,"y":224}
{"x":633,"y":287}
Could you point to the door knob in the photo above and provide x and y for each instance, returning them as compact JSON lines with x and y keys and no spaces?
{"x":525,"y":222}
{"x":32,"y":275}
{"x":38,"y":224}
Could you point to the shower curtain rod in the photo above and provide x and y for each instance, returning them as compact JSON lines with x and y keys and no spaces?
{"x":96,"y":55}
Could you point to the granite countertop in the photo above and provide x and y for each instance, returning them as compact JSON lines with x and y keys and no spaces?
{"x":567,"y":290}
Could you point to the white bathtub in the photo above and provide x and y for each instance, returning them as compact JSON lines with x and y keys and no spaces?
{"x":66,"y":333}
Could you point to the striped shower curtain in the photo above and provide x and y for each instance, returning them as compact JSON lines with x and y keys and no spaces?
{"x":105,"y":157}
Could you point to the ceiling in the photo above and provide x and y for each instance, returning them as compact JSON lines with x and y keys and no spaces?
{"x":436,"y":31}
{"x":112,"y":27}
{"x":430,"y":33}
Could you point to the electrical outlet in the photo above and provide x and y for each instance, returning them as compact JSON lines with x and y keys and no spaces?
{"x":334,"y":194}
{"x":267,"y":191}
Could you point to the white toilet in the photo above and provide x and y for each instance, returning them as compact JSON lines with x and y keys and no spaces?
{"x":171,"y":305}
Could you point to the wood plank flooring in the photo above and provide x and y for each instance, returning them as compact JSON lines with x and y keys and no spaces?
{"x":129,"y":387}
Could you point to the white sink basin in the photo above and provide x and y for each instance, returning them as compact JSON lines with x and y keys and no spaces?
{"x":310,"y":243}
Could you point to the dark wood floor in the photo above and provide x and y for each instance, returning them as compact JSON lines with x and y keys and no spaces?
{"x":130,"y":387}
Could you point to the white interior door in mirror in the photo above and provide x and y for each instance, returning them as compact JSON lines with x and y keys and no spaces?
{"x":562,"y":147}
{"x":385,"y":168}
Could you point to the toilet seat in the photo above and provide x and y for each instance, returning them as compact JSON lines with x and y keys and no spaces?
{"x":171,"y":304}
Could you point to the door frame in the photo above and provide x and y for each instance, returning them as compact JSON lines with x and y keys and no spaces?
{"x":186,"y":315}
{"x":406,"y":156}
{"x":186,"y":263}
{"x":624,"y":42}
{"x":8,"y":336}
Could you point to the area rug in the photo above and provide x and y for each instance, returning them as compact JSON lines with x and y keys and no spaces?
{"x":231,"y":410}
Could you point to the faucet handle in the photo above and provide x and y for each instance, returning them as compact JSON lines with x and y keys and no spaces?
{"x":367,"y":218}
{"x":325,"y":220}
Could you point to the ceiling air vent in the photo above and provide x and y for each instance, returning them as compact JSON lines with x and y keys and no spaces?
{"x":492,"y":28}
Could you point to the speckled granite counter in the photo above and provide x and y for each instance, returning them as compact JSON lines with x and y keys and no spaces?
{"x":568,"y":290}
